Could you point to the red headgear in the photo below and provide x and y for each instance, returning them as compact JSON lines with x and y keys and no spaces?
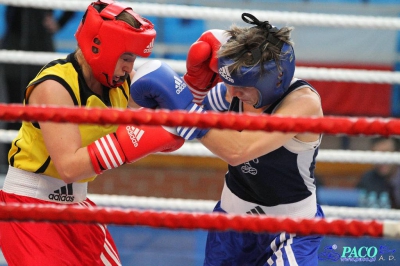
{"x":103,"y":39}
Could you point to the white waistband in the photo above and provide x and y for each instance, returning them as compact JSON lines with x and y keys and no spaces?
{"x":43,"y":187}
{"x":231,"y":203}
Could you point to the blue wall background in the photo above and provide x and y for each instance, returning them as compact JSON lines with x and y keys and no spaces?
{"x":170,"y":31}
{"x":2,"y":24}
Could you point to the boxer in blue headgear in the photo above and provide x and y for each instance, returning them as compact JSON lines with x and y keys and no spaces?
{"x":269,"y":173}
{"x":269,"y":66}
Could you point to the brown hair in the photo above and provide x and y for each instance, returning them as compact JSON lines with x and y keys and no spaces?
{"x":244,"y":39}
{"x":128,"y":18}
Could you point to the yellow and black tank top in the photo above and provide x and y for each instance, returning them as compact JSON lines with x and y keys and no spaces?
{"x":28,"y":151}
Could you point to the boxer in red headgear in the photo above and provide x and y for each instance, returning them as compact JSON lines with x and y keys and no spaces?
{"x":103,"y":38}
{"x":52,"y":163}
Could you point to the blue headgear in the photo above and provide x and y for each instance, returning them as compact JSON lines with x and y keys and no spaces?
{"x":267,"y":79}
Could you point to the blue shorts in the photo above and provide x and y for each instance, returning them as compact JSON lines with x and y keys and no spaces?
{"x":242,"y":249}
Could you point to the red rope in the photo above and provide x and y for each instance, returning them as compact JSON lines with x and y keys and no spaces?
{"x":214,"y":221}
{"x":332,"y":125}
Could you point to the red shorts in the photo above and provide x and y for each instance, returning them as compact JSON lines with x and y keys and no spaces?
{"x":33,"y":243}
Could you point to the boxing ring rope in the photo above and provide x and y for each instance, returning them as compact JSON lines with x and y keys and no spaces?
{"x":212,"y":13}
{"x":313,"y":73}
{"x":324,"y":155}
{"x":12,"y":112}
{"x":169,"y":219}
{"x":191,"y":221}
{"x":189,"y":205}
{"x":226,"y":14}
{"x":328,"y":124}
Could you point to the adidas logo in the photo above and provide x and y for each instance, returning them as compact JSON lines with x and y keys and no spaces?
{"x":179,"y":85}
{"x":257,"y":210}
{"x":135,"y":134}
{"x":149,"y":47}
{"x":224,"y":72}
{"x":65,"y":194}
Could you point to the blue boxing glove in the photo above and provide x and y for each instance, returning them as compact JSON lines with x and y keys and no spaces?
{"x":216,"y":100}
{"x":156,"y":84}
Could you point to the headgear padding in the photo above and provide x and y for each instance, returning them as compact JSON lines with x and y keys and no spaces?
{"x":103,"y":39}
{"x":270,"y":82}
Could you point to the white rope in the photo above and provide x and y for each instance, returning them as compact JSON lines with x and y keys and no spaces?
{"x":327,"y":155}
{"x":310,"y":73}
{"x":227,"y":14}
{"x":7,"y":136}
{"x":153,"y":203}
{"x":42,"y":58}
{"x":362,"y":157}
{"x":208,"y":205}
{"x":349,"y":75}
{"x":196,"y":149}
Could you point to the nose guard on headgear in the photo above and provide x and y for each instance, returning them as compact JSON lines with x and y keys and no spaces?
{"x":103,"y":39}
{"x":269,"y":81}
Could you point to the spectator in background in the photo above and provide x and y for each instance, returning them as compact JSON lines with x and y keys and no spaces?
{"x":27,"y":29}
{"x":383,"y":179}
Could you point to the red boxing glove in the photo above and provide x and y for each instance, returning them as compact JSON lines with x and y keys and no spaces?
{"x":129,"y":144}
{"x":202,"y":63}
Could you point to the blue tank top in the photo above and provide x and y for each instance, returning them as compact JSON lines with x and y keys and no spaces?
{"x":285,"y":175}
